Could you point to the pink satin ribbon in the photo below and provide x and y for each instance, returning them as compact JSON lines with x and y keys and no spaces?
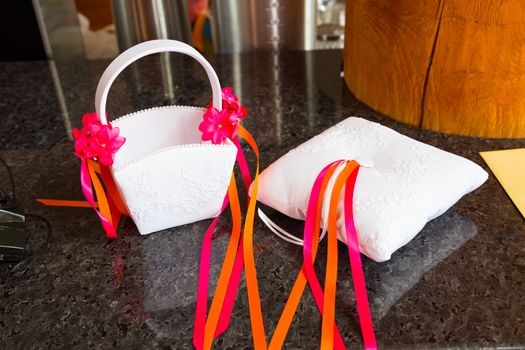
{"x":87,"y":188}
{"x":204,"y":268}
{"x":354,"y":255}
{"x":235,"y":278}
{"x":308,"y":268}
{"x":202,"y":284}
{"x":231,"y":293}
{"x":243,"y":165}
{"x":365,"y":319}
{"x":363,"y":309}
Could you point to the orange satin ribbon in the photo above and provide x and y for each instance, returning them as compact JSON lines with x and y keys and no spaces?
{"x":327,"y":309}
{"x":254,"y":301}
{"x":296,"y":294}
{"x":64,"y":203}
{"x":102,"y":200}
{"x":111,"y":186}
{"x":111,"y":207}
{"x":227,"y":267}
{"x":328,"y":322}
{"x":218,"y":318}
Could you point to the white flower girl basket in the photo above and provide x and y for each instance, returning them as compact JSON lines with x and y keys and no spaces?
{"x":167,"y":176}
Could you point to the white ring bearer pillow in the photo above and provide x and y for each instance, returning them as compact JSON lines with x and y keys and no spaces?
{"x":402,"y":184}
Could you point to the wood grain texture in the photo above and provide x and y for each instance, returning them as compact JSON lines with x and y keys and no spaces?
{"x":387,"y":50}
{"x":449,"y":65}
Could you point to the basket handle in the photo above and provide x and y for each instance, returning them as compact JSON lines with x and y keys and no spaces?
{"x":147,"y":48}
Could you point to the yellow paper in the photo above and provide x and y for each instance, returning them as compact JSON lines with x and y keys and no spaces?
{"x":509,"y":168}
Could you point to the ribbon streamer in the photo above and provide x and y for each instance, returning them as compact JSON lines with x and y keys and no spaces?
{"x":307,"y":273}
{"x":233,"y":285}
{"x":328,"y":322}
{"x":65,"y":203}
{"x":208,"y":328}
{"x":202,"y":284}
{"x":224,"y":277}
{"x":240,"y":252}
{"x":331,"y":337}
{"x":88,"y":181}
{"x":259,"y":337}
{"x":112,"y":207}
{"x":363,"y":309}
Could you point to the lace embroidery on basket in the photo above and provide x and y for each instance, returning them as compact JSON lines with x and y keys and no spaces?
{"x":189,"y":195}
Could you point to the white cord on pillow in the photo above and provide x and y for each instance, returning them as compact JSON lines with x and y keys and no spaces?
{"x":287,"y":236}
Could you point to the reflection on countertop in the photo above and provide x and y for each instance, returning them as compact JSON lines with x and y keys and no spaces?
{"x":459,"y":283}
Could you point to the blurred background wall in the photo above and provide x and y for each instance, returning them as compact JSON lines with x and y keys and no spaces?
{"x":93,"y":29}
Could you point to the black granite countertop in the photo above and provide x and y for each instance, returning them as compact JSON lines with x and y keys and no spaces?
{"x":459,"y":284}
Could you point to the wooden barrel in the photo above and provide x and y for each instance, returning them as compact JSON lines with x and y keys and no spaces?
{"x":454,"y":66}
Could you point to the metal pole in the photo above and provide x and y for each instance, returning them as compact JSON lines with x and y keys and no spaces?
{"x":140,"y":20}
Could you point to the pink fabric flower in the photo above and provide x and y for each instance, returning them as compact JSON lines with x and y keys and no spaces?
{"x":82,"y":147}
{"x":231,"y":103}
{"x":91,"y":122}
{"x":217,"y":126}
{"x":96,"y":140}
{"x":106,"y":143}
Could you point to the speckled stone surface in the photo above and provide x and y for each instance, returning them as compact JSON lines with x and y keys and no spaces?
{"x":459,"y":284}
